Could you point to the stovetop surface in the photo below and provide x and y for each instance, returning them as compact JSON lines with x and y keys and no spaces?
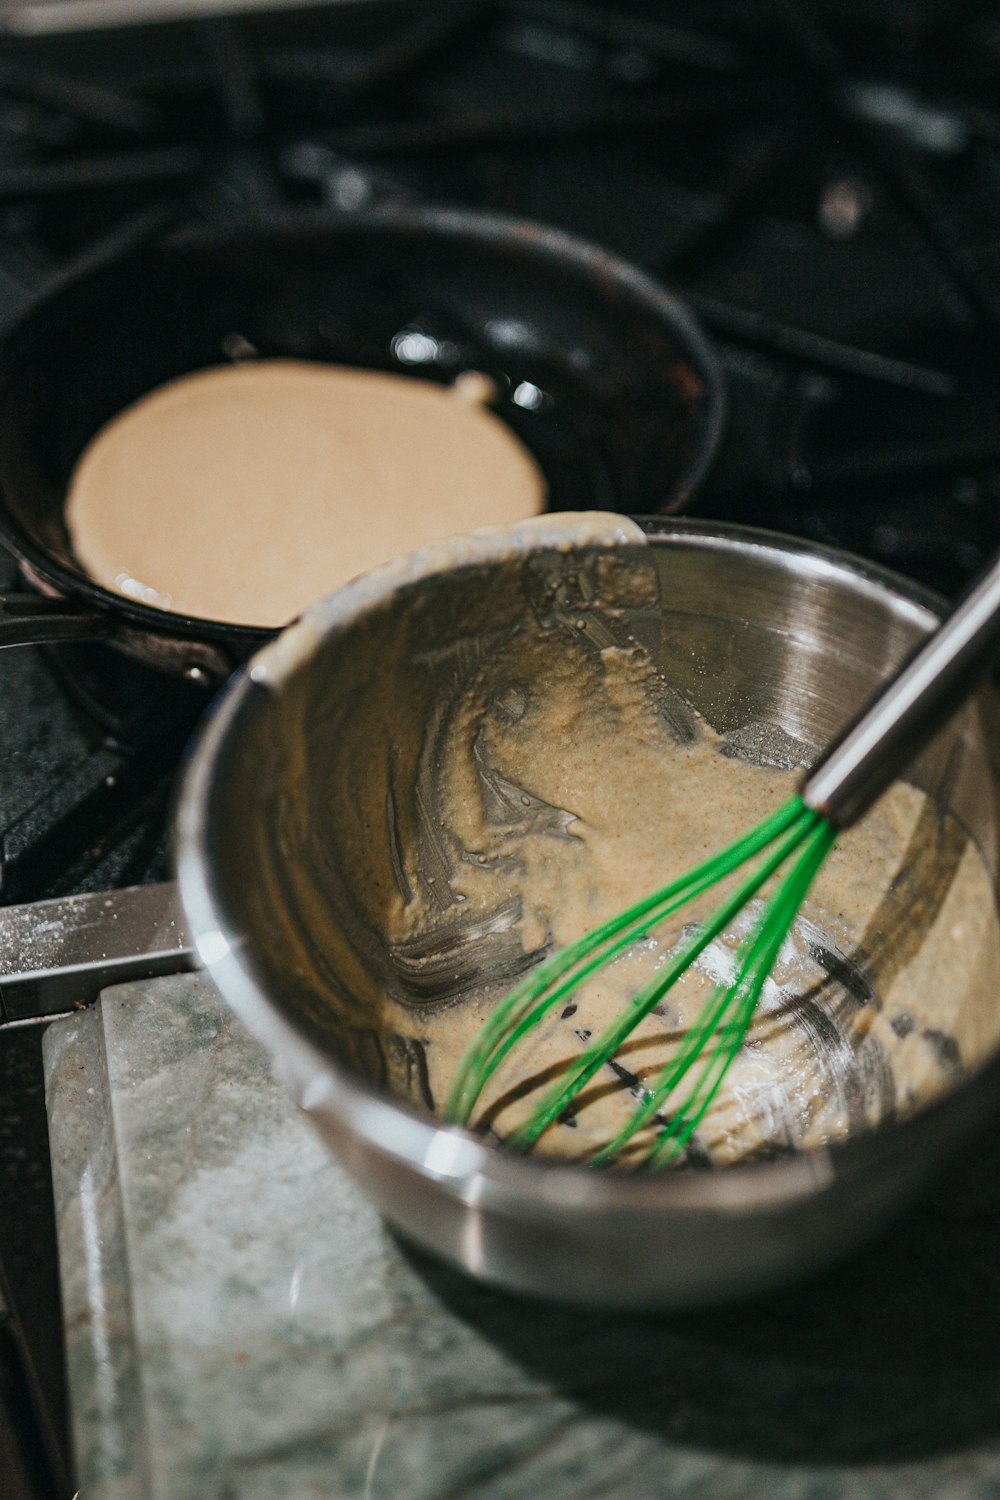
{"x":820,"y":179}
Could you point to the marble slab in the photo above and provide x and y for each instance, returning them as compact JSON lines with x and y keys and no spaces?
{"x":241,"y":1326}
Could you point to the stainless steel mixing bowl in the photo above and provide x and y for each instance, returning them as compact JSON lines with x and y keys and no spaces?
{"x":314,"y":770}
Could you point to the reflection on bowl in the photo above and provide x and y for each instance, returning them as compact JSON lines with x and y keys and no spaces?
{"x":408,"y":776}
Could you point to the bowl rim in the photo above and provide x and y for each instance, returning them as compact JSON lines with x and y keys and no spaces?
{"x":481,"y":1175}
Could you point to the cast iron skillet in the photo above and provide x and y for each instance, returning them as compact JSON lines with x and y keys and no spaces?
{"x":629,"y":415}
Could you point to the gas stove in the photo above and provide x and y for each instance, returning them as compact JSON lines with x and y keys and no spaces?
{"x":818,"y":179}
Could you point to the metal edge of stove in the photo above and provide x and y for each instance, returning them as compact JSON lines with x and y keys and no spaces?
{"x":50,"y":17}
{"x":57,"y":956}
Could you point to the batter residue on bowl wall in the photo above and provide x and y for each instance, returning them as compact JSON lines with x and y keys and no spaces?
{"x":496,"y":773}
{"x":247,"y":492}
{"x":570,"y":785}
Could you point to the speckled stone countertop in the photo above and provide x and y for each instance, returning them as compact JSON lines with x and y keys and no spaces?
{"x":241,"y":1326}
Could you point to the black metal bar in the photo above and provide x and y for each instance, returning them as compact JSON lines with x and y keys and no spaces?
{"x":815,"y":349}
{"x":417,"y":43}
{"x":490,"y":127}
{"x":86,"y":174}
{"x":123,"y":237}
{"x":85,"y":101}
{"x":235,"y":72}
{"x":907,"y":185}
{"x":347,"y":82}
{"x":755,"y":165}
{"x":918,"y":458}
{"x":945,"y":231}
{"x":667,"y":42}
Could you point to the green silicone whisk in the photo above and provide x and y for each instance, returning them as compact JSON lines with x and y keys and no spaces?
{"x":795,"y":840}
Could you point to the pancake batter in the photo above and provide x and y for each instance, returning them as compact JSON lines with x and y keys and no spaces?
{"x":245,"y":493}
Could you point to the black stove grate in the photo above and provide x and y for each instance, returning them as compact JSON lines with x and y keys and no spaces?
{"x":820,"y":180}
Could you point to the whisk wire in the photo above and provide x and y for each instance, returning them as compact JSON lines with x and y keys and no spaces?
{"x":757,"y":956}
{"x":535,"y":996}
{"x":615,"y":942}
{"x":801,"y":819}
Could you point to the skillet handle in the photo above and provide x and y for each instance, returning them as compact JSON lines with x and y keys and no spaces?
{"x":33,"y":619}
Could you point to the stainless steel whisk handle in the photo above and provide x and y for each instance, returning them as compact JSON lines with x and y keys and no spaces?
{"x":930,"y":685}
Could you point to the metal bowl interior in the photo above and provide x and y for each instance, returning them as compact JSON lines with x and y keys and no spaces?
{"x":624,"y":396}
{"x":304,"y":788}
